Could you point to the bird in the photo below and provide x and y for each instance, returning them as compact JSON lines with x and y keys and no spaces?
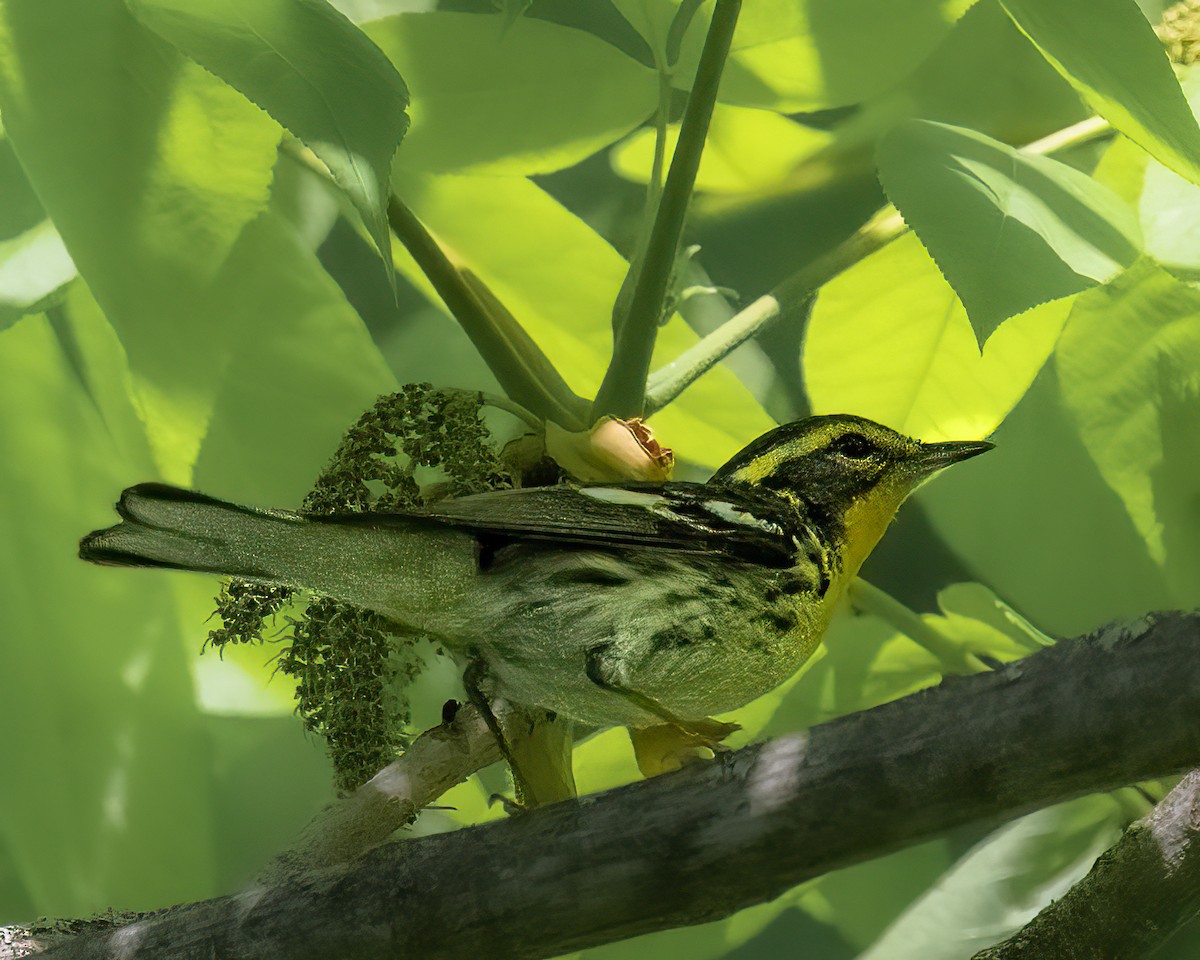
{"x":652,"y":606}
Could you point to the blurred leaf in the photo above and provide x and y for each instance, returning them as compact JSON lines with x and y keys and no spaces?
{"x":651,"y":18}
{"x":530,"y":98}
{"x":312,"y":70}
{"x":1167,"y":204}
{"x":176,"y":164}
{"x":560,"y":278}
{"x":1109,"y":53}
{"x":800,"y":55}
{"x":746,"y":150}
{"x":20,"y":210}
{"x":34,"y":267}
{"x":1038,"y":524}
{"x":1003,"y":882}
{"x":889,"y":340}
{"x":1176,"y":479}
{"x":270,"y":780}
{"x":102,"y":726}
{"x":1109,"y":364}
{"x":1009,"y":230}
{"x":303,"y":373}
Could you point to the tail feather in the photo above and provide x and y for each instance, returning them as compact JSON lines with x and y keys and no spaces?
{"x":399,"y":566}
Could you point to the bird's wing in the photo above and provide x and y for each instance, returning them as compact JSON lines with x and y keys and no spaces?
{"x":674,"y":516}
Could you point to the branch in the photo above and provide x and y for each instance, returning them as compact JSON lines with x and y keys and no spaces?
{"x":437,"y":760}
{"x":1139,"y":892}
{"x":1083,"y":716}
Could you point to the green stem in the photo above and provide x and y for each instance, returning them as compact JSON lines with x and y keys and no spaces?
{"x":669,"y":381}
{"x":952,"y":657}
{"x":525,"y":373}
{"x":623,"y":390}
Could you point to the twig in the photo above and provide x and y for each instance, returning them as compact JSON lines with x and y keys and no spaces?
{"x":435,"y":762}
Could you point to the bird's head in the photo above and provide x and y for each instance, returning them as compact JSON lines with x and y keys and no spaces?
{"x":848,"y":474}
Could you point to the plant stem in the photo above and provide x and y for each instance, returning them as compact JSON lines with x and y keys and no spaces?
{"x":623,"y":390}
{"x":953,"y":658}
{"x":525,"y":373}
{"x":669,"y":381}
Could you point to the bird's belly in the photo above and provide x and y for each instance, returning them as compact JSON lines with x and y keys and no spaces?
{"x":697,"y":638}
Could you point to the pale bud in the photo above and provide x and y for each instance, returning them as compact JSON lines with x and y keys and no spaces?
{"x":613,"y":450}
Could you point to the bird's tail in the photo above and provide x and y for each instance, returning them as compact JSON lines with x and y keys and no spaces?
{"x":404,"y":567}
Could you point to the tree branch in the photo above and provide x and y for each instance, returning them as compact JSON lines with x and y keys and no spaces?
{"x":1140,"y":891}
{"x":1083,"y":716}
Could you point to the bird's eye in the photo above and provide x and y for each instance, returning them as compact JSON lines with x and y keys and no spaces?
{"x":852,"y":445}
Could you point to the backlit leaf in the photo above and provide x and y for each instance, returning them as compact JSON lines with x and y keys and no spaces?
{"x":312,"y":70}
{"x":1009,"y":230}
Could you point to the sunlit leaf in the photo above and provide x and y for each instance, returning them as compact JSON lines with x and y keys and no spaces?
{"x":529,"y":98}
{"x":791,"y":56}
{"x":1110,"y":363}
{"x":34,"y":267}
{"x":312,"y":70}
{"x":176,"y":164}
{"x":746,"y":150}
{"x":1109,"y":53}
{"x":1009,"y":230}
{"x":1167,"y":204}
{"x":888,"y":339}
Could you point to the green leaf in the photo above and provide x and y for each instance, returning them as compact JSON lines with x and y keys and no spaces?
{"x":530,"y":98}
{"x":559,"y":278}
{"x":1109,"y":53}
{"x":313,"y":71}
{"x":176,"y":164}
{"x":800,"y":55}
{"x":1009,"y":230}
{"x":888,"y":339}
{"x":1037,"y":523}
{"x":104,"y":721}
{"x":1167,"y":204}
{"x":1111,"y":364}
{"x":746,"y":150}
{"x":1001,"y":884}
{"x":34,"y":269}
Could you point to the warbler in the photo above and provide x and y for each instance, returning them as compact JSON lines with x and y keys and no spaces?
{"x":650,"y":606}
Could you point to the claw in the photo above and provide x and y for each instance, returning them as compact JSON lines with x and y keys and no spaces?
{"x":510,"y":806}
{"x":671,"y":746}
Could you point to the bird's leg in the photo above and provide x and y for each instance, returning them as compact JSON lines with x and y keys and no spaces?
{"x":537,"y":747}
{"x":666,"y":746}
{"x":540,"y":749}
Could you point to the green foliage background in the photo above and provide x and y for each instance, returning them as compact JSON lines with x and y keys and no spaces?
{"x":182,"y":299}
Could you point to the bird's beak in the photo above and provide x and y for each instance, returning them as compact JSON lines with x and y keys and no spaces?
{"x":934,"y":456}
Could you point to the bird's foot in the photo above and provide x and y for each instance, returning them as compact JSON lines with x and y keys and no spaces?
{"x":508,"y":804}
{"x":670,"y":746}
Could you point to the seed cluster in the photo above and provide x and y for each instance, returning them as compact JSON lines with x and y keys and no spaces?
{"x":349,"y":664}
